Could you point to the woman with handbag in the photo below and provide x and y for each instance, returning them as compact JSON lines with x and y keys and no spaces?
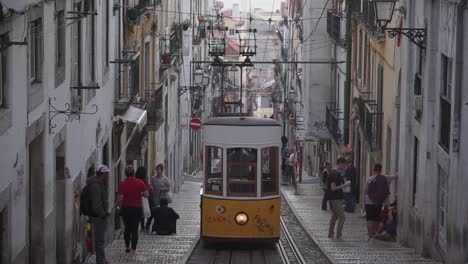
{"x":131,"y":191}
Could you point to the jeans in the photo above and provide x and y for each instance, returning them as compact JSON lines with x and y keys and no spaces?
{"x":324,"y":200}
{"x":350,"y":203}
{"x":337,"y":214}
{"x":131,"y":217}
{"x":100,"y":227}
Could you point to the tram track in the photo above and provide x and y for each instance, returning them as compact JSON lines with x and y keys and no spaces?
{"x":290,"y":246}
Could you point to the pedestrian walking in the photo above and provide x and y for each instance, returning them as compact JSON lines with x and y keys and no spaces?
{"x":350,"y":176}
{"x":165,"y":219}
{"x":335,"y":187}
{"x":160,"y":185}
{"x":131,"y":191}
{"x":377,"y":191}
{"x":325,"y":172}
{"x":97,"y":211}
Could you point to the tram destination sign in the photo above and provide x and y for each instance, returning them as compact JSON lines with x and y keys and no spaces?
{"x":195,"y":123}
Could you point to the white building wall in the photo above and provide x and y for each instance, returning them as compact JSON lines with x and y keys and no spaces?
{"x":79,"y":136}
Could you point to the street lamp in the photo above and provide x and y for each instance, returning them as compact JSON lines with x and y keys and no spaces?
{"x":198,"y":75}
{"x":384,"y":12}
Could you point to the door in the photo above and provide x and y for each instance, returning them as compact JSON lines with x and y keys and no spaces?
{"x":61,"y":239}
{"x":442,"y":210}
{"x":36,"y":201}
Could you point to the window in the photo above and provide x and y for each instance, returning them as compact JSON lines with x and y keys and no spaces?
{"x":242,"y":171}
{"x":415,"y":168}
{"x":91,"y":48}
{"x":105,"y":15}
{"x":445,"y":103}
{"x":359,"y":58}
{"x":3,"y":68}
{"x":380,"y":83}
{"x":135,"y":76}
{"x":76,"y":75}
{"x":60,"y":47}
{"x":3,"y":228}
{"x":270,"y":158}
{"x":147,"y":66}
{"x":214,"y":170}
{"x":36,"y":50}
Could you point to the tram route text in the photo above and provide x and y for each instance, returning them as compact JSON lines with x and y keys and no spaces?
{"x":218,"y":219}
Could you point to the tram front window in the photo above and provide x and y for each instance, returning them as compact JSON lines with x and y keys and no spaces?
{"x":270,"y":171}
{"x":242,"y":171}
{"x":214,"y":170}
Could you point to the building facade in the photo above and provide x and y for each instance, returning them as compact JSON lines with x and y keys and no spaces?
{"x":432,"y":215}
{"x":56,"y":123}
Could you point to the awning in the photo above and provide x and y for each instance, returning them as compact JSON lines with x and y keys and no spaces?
{"x":135,"y":115}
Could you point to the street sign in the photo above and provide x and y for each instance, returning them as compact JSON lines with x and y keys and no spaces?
{"x":195,"y":123}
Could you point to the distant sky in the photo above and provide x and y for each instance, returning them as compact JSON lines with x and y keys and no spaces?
{"x":244,"y":4}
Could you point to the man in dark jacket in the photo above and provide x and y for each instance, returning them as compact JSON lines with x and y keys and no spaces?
{"x":350,"y":195}
{"x":165,"y":219}
{"x":99,"y":207}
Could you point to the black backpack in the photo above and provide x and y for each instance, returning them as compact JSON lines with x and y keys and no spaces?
{"x":86,"y":207}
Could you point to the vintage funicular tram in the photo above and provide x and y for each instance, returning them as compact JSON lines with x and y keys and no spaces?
{"x":240,"y":200}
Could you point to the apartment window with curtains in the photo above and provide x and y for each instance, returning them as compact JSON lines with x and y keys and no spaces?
{"x":36,"y":50}
{"x":445,"y":103}
{"x":90,"y":6}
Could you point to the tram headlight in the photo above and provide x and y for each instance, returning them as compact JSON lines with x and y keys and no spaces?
{"x":242,"y":218}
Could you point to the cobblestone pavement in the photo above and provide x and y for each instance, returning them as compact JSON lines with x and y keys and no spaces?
{"x":354,"y":248}
{"x":163,"y":249}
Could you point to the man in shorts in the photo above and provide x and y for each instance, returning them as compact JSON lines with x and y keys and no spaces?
{"x":377,"y":192}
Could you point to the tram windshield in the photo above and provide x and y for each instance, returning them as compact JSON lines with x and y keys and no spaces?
{"x":242,"y":171}
{"x":214,"y":170}
{"x":270,"y":171}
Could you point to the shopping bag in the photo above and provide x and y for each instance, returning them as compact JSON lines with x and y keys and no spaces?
{"x":146,"y":208}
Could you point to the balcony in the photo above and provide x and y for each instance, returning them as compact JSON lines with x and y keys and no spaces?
{"x":332,"y":122}
{"x":171,"y":49}
{"x":136,"y":12}
{"x":363,"y":11}
{"x":370,"y":121}
{"x":334,"y":25}
{"x":155,"y":114}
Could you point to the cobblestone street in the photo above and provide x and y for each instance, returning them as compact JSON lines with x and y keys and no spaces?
{"x":163,"y":249}
{"x":354,"y":248}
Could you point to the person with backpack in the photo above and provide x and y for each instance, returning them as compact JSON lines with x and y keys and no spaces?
{"x":93,"y":203}
{"x":377,"y":191}
{"x":326,"y":171}
{"x":335,"y":196}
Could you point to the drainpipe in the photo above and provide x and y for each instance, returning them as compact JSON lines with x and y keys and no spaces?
{"x":347,"y":91}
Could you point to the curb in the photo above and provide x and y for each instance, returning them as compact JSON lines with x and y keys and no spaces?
{"x":190,"y":250}
{"x":326,"y":253}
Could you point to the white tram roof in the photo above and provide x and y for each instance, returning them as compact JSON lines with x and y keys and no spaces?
{"x":241,"y":131}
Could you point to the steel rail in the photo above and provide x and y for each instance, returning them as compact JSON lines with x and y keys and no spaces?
{"x":292,"y":244}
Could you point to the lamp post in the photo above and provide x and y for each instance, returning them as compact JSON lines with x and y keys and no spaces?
{"x":198,"y":75}
{"x":384,"y":12}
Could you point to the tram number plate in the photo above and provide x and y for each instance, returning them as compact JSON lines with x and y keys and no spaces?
{"x":215,"y":187}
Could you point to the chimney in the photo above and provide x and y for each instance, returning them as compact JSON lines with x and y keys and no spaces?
{"x":235,"y":12}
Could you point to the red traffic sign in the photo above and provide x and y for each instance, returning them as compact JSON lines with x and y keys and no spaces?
{"x":195,"y":123}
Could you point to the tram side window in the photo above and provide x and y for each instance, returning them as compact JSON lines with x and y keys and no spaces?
{"x":242,"y":171}
{"x":214,"y":170}
{"x":270,"y":171}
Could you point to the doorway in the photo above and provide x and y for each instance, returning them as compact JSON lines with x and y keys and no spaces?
{"x":60,"y":251}
{"x":36,"y":201}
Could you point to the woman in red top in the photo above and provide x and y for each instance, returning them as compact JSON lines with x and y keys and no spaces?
{"x":130,"y":192}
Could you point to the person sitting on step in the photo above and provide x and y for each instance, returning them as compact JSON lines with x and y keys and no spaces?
{"x":165,"y":219}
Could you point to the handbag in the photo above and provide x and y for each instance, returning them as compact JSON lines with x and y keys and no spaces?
{"x":146,"y":208}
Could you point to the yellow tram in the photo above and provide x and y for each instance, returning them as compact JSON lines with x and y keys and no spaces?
{"x":240,"y":200}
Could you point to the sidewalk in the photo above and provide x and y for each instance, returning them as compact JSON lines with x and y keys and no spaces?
{"x":354,"y":248}
{"x":163,"y":249}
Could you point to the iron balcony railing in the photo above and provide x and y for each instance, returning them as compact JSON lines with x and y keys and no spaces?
{"x":370,"y":122}
{"x":332,"y":120}
{"x":363,"y":11}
